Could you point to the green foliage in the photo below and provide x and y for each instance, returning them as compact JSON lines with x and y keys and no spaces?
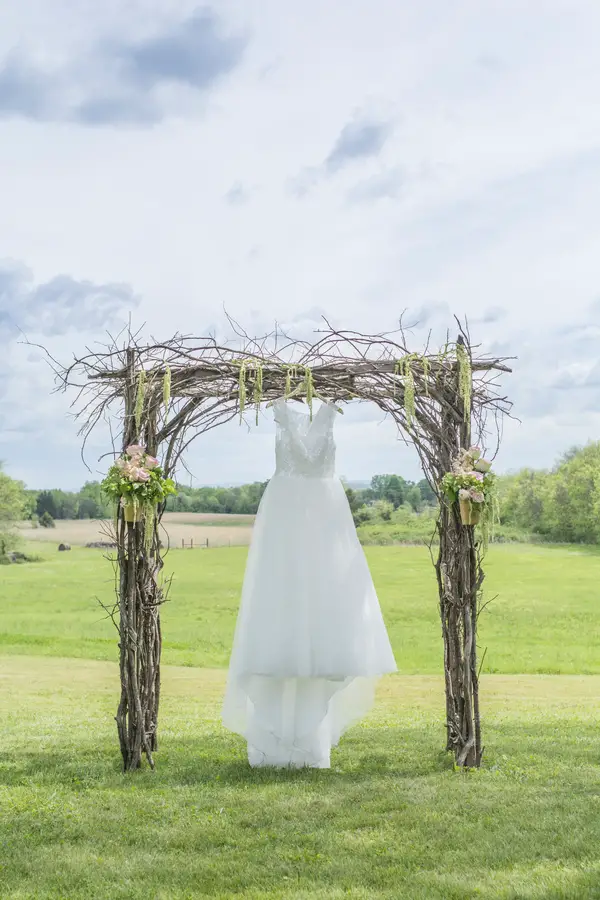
{"x":453,"y":483}
{"x":139,"y":398}
{"x":167,"y":389}
{"x":353,"y":498}
{"x":239,"y":501}
{"x":387,"y":494}
{"x":46,"y":520}
{"x":13,"y":498}
{"x":136,"y":482}
{"x":380,"y":524}
{"x":392,"y":488}
{"x":414,"y":497}
{"x":427,"y":493}
{"x":88,"y":503}
{"x":250,"y":383}
{"x":9,"y":541}
{"x":562,"y":505}
{"x":92,"y":502}
{"x":403,"y":368}
{"x":465,"y":379}
{"x":118,"y":486}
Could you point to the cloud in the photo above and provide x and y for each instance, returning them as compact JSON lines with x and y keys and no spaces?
{"x":61,"y":305}
{"x":556,"y":371}
{"x":122,"y":81}
{"x":493,"y":314}
{"x":359,"y":139}
{"x":237,"y":195}
{"x":60,"y":313}
{"x":24,"y":90}
{"x":384,"y":186}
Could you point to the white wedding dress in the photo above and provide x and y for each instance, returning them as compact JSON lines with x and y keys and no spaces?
{"x":310,"y":639}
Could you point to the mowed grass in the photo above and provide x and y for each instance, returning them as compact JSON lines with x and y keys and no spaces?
{"x":390,"y":820}
{"x":544,"y":620}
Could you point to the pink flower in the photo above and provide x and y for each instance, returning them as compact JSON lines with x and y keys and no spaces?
{"x":464,"y":494}
{"x":477,"y":475}
{"x":135,"y":451}
{"x":476,"y":496}
{"x":139,"y":474}
{"x":126,"y":467}
{"x":151,"y":462}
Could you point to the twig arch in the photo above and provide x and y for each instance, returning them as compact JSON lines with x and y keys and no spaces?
{"x":167,"y":394}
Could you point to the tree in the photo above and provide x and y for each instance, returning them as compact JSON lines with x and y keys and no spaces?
{"x":92,"y":502}
{"x":13,"y":506}
{"x":562,"y":505}
{"x":353,"y":498}
{"x":413,"y":497}
{"x":46,"y":520}
{"x":46,"y":504}
{"x":427,"y":494}
{"x":13,"y":500}
{"x":391,"y":488}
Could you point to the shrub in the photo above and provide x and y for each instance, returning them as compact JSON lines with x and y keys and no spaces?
{"x":46,"y":520}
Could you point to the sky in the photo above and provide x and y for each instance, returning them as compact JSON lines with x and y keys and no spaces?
{"x":357,"y":159}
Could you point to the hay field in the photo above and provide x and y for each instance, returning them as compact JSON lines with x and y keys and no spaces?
{"x":218,"y":530}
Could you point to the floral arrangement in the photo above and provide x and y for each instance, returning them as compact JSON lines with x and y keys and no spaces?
{"x":472,"y":483}
{"x":136,"y":482}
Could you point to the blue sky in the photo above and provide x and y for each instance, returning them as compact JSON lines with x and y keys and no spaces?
{"x":354,"y":159}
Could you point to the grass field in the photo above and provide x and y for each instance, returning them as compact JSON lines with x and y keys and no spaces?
{"x":391,"y":819}
{"x":544,"y":620}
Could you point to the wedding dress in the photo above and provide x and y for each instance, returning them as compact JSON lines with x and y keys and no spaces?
{"x":310,"y":640}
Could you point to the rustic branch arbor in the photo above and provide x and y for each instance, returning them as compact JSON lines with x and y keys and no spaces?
{"x":170,"y":393}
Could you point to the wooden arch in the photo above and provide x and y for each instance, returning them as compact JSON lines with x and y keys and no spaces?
{"x":167,"y":394}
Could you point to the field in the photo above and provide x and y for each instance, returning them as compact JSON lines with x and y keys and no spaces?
{"x":391,"y":819}
{"x":218,"y":530}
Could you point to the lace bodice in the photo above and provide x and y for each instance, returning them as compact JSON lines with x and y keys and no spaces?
{"x":303,"y":447}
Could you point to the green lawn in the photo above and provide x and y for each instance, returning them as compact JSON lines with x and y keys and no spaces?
{"x":544,"y":620}
{"x":390,"y":820}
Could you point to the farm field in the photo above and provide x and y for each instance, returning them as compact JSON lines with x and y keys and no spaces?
{"x":218,"y":530}
{"x":390,"y":820}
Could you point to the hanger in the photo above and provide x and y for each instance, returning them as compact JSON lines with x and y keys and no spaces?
{"x":298,"y":390}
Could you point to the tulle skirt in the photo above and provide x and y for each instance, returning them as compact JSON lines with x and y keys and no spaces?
{"x":310,"y":640}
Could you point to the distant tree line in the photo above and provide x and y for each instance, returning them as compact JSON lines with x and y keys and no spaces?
{"x":88,"y":503}
{"x":239,"y":501}
{"x":561,"y":504}
{"x":386,"y":494}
